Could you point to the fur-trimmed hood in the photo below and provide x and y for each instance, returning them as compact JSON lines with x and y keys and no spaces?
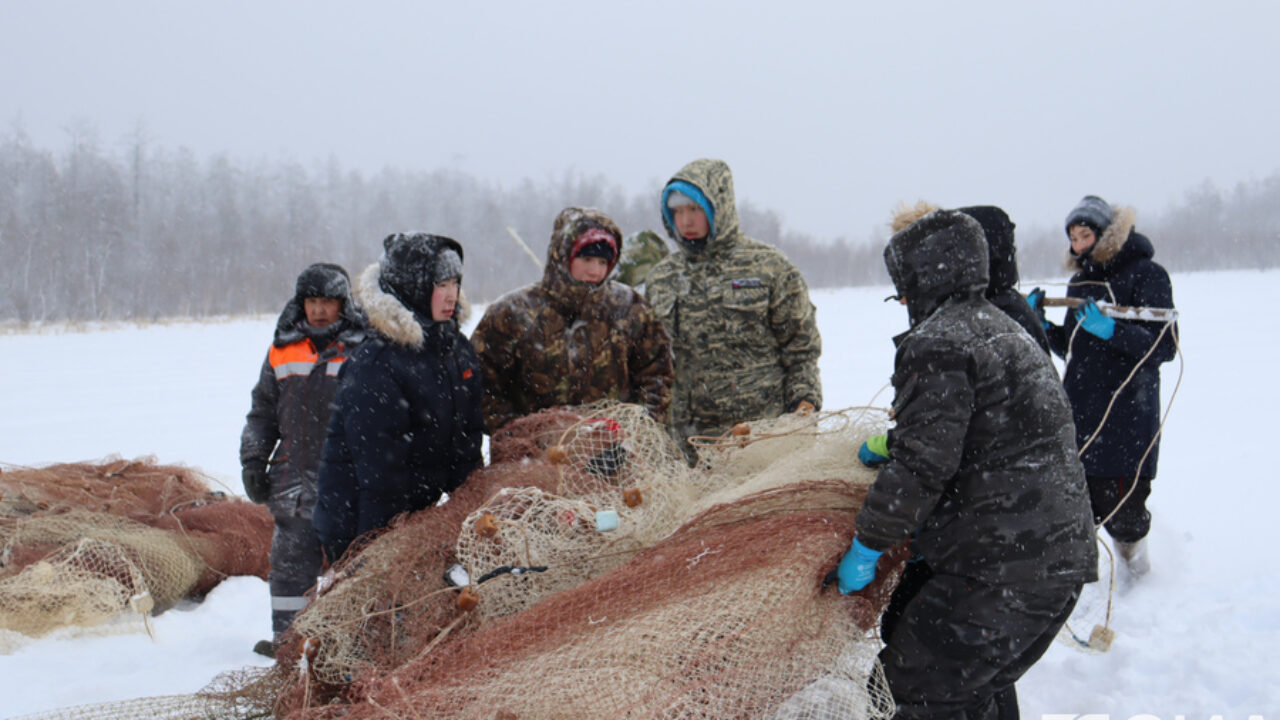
{"x":391,"y":318}
{"x":1107,"y":247}
{"x":935,"y":256}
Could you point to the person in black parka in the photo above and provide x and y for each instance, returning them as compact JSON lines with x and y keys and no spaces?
{"x":1113,"y":263}
{"x":285,"y":429}
{"x":981,"y":472}
{"x":407,"y":424}
{"x":1002,"y":265}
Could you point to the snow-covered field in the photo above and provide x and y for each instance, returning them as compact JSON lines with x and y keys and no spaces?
{"x":1193,"y":637}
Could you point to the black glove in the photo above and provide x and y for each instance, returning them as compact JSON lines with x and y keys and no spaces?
{"x":256,"y":483}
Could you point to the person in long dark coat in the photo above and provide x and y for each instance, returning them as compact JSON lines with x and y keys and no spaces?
{"x":980,"y":472}
{"x":1113,"y":263}
{"x":407,"y":424}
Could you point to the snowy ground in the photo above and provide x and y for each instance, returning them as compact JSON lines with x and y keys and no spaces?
{"x":1192,"y":638}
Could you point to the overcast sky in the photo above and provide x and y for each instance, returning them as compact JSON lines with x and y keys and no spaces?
{"x":829,"y":113}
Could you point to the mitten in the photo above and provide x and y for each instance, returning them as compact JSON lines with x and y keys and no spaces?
{"x":857,"y":568}
{"x":257,"y":486}
{"x":1036,"y":300}
{"x":875,"y":451}
{"x":1094,"y":322}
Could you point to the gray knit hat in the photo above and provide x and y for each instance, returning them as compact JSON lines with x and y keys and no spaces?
{"x":1093,"y":212}
{"x":448,"y":266}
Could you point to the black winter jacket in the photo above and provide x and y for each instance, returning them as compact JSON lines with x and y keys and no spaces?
{"x":982,"y":461}
{"x":1119,"y":270}
{"x":291,"y":403}
{"x":407,"y":423}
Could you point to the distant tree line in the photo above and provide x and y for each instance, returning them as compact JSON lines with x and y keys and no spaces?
{"x":145,"y":233}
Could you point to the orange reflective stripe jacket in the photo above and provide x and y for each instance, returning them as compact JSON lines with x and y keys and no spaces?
{"x":299,"y":358}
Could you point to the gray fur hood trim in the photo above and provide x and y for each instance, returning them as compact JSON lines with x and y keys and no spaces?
{"x":389,"y":317}
{"x":1111,"y":242}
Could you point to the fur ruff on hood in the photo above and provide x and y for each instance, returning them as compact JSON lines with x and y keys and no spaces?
{"x":1109,"y":245}
{"x":390,"y":318}
{"x":904,"y":215}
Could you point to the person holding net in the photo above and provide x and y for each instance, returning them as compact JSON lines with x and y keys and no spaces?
{"x":980,"y":473}
{"x":1112,"y":374}
{"x":743,"y":330}
{"x":575,"y":337}
{"x":406,"y":425}
{"x":284,"y":431}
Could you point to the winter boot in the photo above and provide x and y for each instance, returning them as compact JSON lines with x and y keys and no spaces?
{"x":1135,"y":557}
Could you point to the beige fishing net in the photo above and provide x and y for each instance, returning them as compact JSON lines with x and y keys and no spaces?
{"x":600,"y":576}
{"x":104,"y":546}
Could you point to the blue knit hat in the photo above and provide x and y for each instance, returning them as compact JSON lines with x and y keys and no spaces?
{"x":691,"y":191}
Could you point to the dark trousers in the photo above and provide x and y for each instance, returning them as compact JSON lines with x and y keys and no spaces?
{"x":1132,"y":521}
{"x":296,"y":560}
{"x":958,"y":646}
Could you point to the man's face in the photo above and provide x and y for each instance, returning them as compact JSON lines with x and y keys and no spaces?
{"x":444,"y":299}
{"x":1082,"y":238}
{"x":322,"y":312}
{"x":691,"y":222}
{"x":589,"y":269}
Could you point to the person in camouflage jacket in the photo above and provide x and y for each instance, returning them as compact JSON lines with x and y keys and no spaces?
{"x":981,"y":473}
{"x":567,"y":341}
{"x":742,"y":326}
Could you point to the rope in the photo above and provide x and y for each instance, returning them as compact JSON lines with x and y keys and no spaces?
{"x":729,"y":440}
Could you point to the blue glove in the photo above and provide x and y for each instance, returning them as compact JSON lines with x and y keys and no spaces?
{"x":1094,"y":322}
{"x":1036,"y":300}
{"x":857,"y":567}
{"x":875,"y":451}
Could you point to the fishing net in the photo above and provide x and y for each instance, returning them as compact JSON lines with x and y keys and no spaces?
{"x":106,"y":545}
{"x":599,"y":575}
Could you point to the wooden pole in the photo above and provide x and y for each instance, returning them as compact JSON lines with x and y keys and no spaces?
{"x":1122,"y":312}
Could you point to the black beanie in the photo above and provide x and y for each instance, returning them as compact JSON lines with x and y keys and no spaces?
{"x":323,"y":280}
{"x":411,"y":263}
{"x":597,"y":249}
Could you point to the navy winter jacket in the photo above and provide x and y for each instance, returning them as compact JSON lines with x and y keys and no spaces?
{"x":407,"y":424}
{"x":1119,"y":270}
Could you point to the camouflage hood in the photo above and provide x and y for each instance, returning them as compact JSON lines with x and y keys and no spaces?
{"x":714,"y":179}
{"x":568,"y":295}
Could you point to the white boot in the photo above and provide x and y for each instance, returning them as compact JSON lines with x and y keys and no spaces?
{"x":1135,"y":557}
